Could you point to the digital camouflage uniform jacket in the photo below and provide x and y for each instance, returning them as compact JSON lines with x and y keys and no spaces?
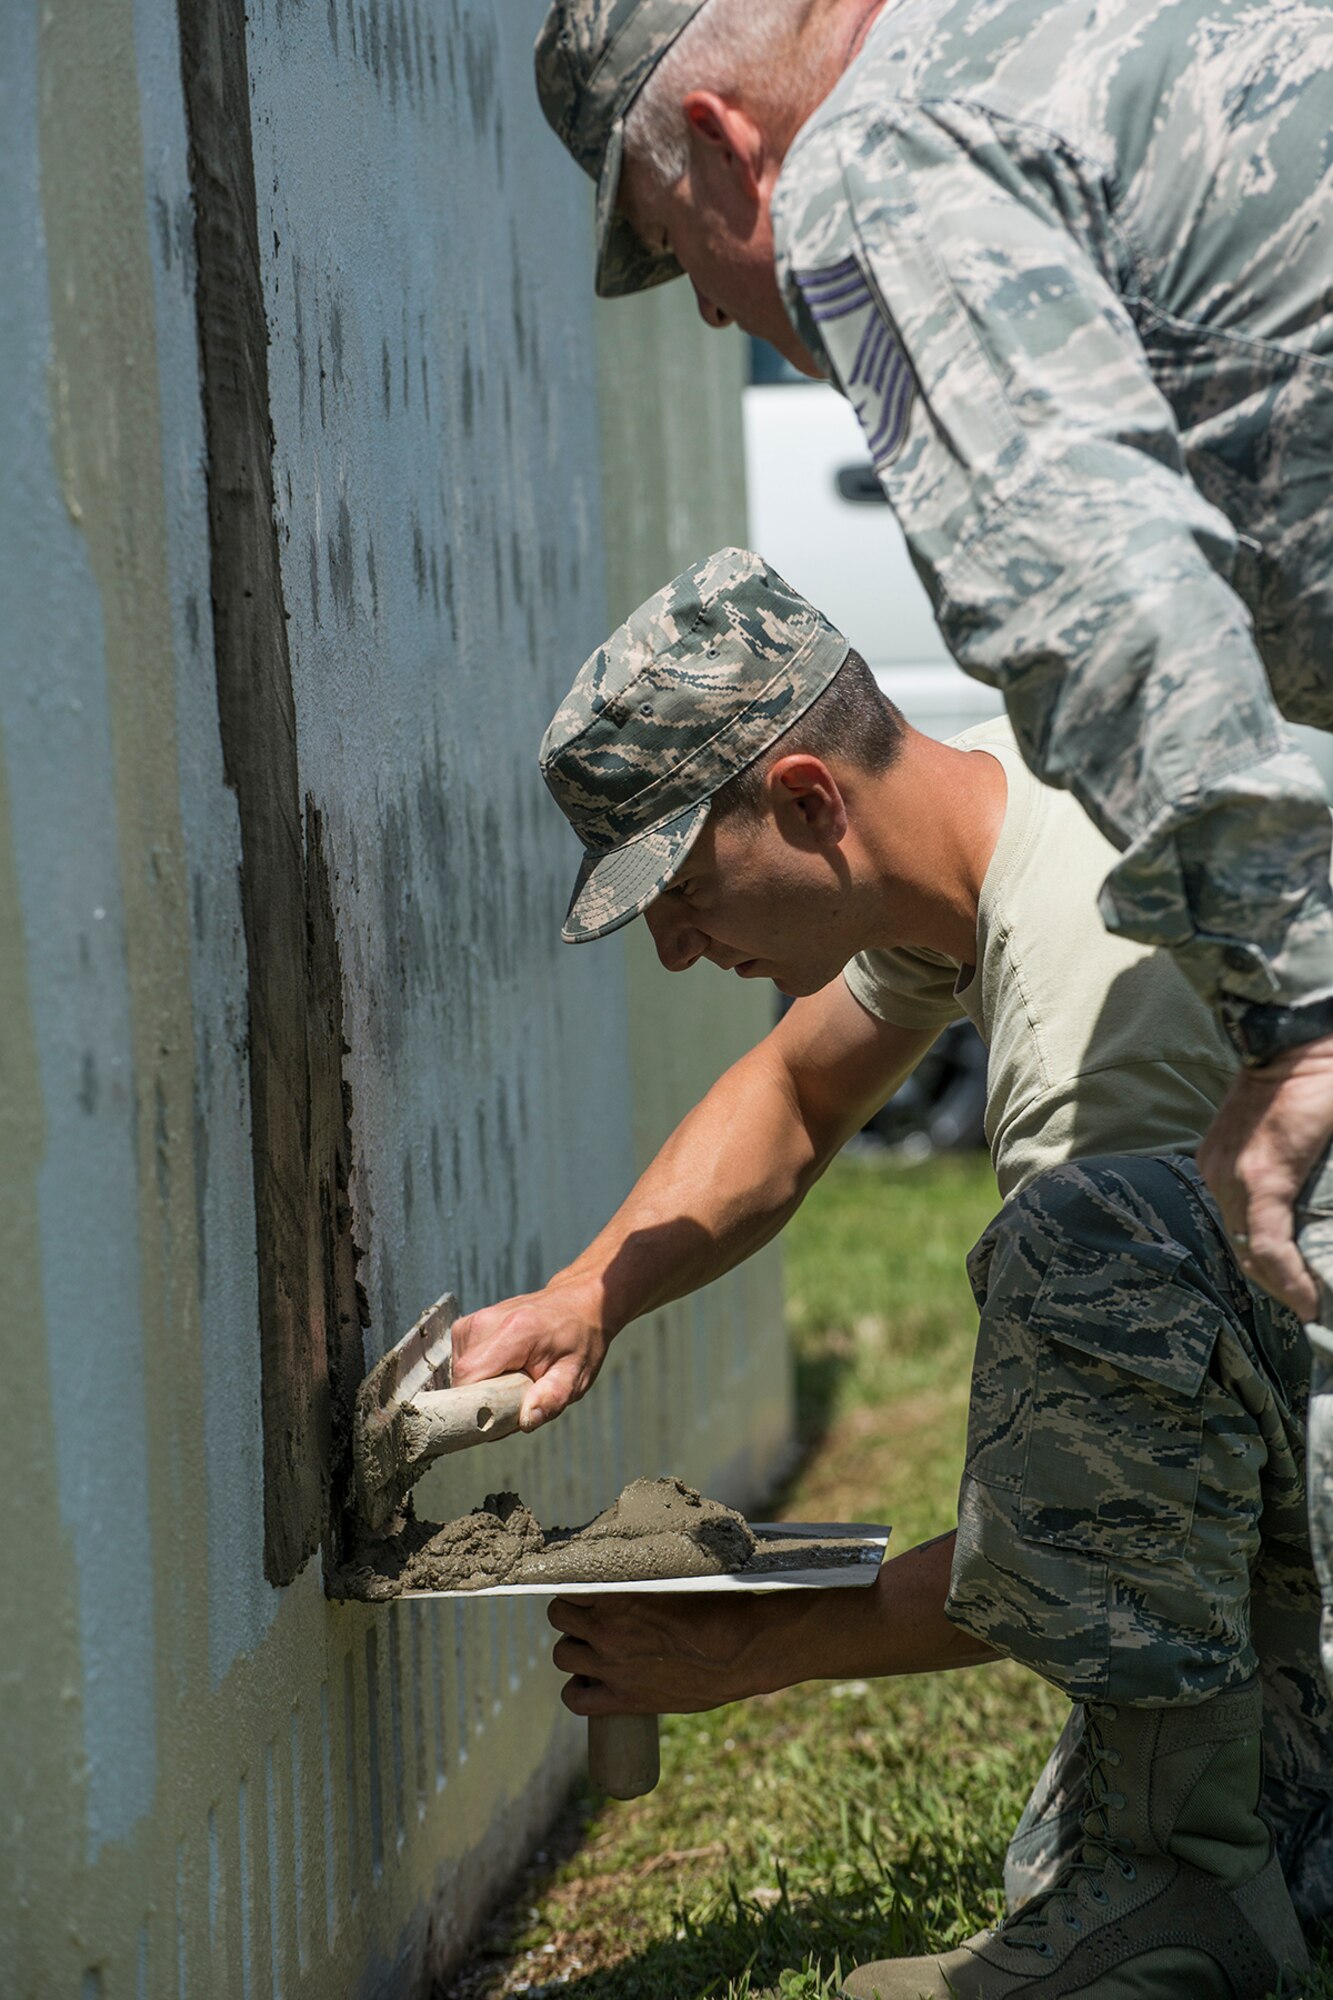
{"x":1073,"y":264}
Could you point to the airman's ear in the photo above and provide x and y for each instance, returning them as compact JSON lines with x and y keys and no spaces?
{"x":804,"y":794}
{"x":730,"y":134}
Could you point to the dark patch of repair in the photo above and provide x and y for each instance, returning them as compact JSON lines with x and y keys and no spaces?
{"x":310,"y":1310}
{"x":340,"y":1302}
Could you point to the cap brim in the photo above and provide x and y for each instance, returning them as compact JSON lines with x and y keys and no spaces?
{"x":624,"y":262}
{"x":612,"y":889}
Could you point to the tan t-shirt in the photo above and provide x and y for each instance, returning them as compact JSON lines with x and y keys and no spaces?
{"x":1096,"y":1045}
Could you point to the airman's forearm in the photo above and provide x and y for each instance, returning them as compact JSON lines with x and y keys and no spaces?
{"x":723,"y":1184}
{"x":898,"y":1626}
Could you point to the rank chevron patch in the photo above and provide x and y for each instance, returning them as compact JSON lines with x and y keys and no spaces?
{"x":878,"y":377}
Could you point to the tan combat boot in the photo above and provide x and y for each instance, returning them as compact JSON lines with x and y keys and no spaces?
{"x":1176,"y":1892}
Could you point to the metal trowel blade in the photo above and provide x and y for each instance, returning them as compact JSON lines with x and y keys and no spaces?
{"x":422,"y":1359}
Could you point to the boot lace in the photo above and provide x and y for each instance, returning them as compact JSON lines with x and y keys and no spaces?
{"x":1058,"y":1907}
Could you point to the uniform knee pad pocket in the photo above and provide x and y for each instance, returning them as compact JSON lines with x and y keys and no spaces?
{"x":1112,"y":1457}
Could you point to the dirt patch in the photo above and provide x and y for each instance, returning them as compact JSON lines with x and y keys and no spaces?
{"x":657,"y":1528}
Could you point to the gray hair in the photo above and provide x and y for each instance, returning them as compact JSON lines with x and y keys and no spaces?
{"x":727,"y":43}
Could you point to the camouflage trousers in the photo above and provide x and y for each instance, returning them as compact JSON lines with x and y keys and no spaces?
{"x":1132,"y":1519}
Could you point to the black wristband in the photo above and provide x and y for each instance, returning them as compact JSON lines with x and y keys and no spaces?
{"x":1260,"y":1033}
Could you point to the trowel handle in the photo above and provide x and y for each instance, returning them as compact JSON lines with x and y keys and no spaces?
{"x":477,"y":1413}
{"x":624,"y":1754}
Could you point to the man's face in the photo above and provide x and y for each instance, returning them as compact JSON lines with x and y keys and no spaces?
{"x":751,"y":903}
{"x":725,"y":248}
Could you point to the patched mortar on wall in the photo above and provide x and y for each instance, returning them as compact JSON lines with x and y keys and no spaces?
{"x":309,"y":1308}
{"x":218,"y":1786}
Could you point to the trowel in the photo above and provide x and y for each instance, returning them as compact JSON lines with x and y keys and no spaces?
{"x":408,"y":1415}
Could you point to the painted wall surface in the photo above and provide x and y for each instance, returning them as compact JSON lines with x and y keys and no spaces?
{"x":211,"y":1784}
{"x":675,"y":490}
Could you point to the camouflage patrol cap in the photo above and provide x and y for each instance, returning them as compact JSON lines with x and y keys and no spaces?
{"x":593,"y":58}
{"x":692,"y":688}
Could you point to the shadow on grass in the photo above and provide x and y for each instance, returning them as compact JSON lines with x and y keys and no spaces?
{"x":819,"y":1368}
{"x":748,"y":1947}
{"x":797,"y":1946}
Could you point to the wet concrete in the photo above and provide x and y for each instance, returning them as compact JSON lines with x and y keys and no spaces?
{"x":657,"y":1529}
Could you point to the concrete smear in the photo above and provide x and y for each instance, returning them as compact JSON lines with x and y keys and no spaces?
{"x":657,"y":1528}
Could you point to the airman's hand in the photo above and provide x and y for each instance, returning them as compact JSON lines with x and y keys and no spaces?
{"x":657,"y":1654}
{"x":554,"y":1335}
{"x":1269,"y":1135}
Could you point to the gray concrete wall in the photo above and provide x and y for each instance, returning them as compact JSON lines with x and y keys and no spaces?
{"x":216,"y":1781}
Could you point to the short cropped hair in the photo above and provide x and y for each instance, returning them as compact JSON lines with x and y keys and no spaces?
{"x":852,"y":721}
{"x":727,"y":42}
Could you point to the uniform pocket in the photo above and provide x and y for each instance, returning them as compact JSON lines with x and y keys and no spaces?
{"x":1115,"y":1429}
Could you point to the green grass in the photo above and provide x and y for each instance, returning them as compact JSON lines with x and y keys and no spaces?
{"x":793,"y":1836}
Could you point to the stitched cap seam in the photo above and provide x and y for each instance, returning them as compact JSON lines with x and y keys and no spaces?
{"x":789,"y":666}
